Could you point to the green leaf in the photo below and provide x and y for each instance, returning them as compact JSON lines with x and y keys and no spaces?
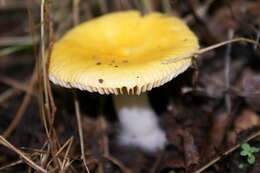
{"x":241,"y":166}
{"x":255,"y":149}
{"x":244,"y":153}
{"x":172,"y":171}
{"x":12,"y":49}
{"x":246,"y":146}
{"x":251,"y":159}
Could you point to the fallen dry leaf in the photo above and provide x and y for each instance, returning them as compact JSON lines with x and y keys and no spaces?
{"x":246,"y":120}
{"x":243,"y":13}
{"x":190,"y":149}
{"x":251,"y":87}
{"x":218,"y":130}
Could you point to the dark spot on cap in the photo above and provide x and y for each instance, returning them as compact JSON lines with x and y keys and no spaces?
{"x":98,"y":63}
{"x":100,"y":80}
{"x":137,"y":76}
{"x":113,"y":61}
{"x":185,"y":39}
{"x":116,"y":66}
{"x":125,"y":61}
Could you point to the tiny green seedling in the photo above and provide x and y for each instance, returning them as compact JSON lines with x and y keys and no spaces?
{"x":172,"y":171}
{"x":249,"y":152}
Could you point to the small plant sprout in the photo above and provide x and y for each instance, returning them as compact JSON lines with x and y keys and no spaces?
{"x":249,"y":152}
{"x":172,"y":171}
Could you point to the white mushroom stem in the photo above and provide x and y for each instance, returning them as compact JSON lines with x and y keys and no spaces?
{"x":139,"y":123}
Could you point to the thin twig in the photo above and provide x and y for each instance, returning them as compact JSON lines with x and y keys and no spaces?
{"x":34,"y":36}
{"x":64,"y":146}
{"x":66,"y":160}
{"x":87,"y":9}
{"x":103,"y":6}
{"x":257,"y":38}
{"x":147,"y":6}
{"x":104,"y":143}
{"x":156,"y":164}
{"x":17,"y":41}
{"x":239,"y":39}
{"x":104,"y":139}
{"x":47,"y":105}
{"x":227,"y":72}
{"x":43,"y":56}
{"x":11,"y":165}
{"x":120,"y":5}
{"x":42,"y":66}
{"x":212,"y":162}
{"x":206,"y":49}
{"x":136,"y":4}
{"x":27,"y":160}
{"x":67,"y":143}
{"x":80,"y":131}
{"x":7,"y":94}
{"x":76,"y":11}
{"x":76,"y":103}
{"x":118,"y":163}
{"x":201,"y":23}
{"x":166,"y":5}
{"x":15,"y":84}
{"x":200,"y":11}
{"x":13,"y":49}
{"x":44,"y":157}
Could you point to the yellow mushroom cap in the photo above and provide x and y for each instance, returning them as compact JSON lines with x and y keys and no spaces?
{"x":122,"y":52}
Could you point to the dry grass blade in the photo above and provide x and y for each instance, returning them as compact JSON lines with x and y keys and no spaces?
{"x":156,"y":164}
{"x":239,"y":39}
{"x":78,"y":116}
{"x":118,"y":163}
{"x":11,"y":165}
{"x":47,"y":105}
{"x":104,"y":139}
{"x":43,"y":56}
{"x":14,"y":83}
{"x":206,"y":49}
{"x":257,"y":38}
{"x":147,"y":6}
{"x":166,"y":4}
{"x":66,"y":161}
{"x":227,"y":72}
{"x":17,"y":41}
{"x":27,"y":160}
{"x":7,"y":95}
{"x":76,"y":11}
{"x":103,"y":6}
{"x":68,"y":142}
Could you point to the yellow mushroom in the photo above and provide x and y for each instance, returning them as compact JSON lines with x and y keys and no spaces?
{"x":123,"y":53}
